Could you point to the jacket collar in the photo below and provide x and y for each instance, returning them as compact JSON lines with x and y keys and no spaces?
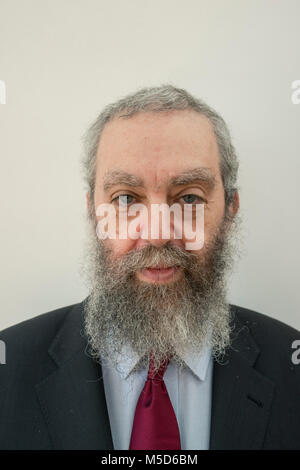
{"x":242,"y":396}
{"x":72,"y":398}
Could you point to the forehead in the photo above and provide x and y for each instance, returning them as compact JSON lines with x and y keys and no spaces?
{"x":158,"y":144}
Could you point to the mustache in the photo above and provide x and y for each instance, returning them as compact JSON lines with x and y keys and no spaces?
{"x":167,"y":255}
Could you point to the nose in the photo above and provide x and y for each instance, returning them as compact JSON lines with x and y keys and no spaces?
{"x":156,"y":227}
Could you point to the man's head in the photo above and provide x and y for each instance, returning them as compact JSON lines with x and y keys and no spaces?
{"x":160,"y":146}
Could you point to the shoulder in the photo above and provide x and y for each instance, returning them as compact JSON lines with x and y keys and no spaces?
{"x":263,"y":327}
{"x":277,"y":341}
{"x":28,"y":340}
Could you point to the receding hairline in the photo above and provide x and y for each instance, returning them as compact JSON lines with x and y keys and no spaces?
{"x":157,"y":114}
{"x":154,"y":114}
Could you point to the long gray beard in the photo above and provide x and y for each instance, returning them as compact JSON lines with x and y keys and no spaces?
{"x":169,"y":319}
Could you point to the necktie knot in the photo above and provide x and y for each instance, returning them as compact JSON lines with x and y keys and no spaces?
{"x":158,"y":374}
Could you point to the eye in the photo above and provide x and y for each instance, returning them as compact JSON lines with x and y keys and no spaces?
{"x":192,"y":199}
{"x":123,"y":200}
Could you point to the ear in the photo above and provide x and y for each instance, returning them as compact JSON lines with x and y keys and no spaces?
{"x":233,"y":207}
{"x":88,"y":201}
{"x":235,"y":204}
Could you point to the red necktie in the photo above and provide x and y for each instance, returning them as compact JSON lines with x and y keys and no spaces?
{"x":155,"y":425}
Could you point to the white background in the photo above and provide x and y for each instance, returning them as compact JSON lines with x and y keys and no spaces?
{"x":63,"y":60}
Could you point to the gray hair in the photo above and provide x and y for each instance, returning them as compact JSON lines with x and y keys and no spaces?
{"x":162,"y":98}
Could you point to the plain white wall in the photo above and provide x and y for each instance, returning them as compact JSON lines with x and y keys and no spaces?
{"x":63,"y":60}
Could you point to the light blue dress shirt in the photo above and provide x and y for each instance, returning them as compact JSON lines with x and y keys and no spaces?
{"x":190,"y":391}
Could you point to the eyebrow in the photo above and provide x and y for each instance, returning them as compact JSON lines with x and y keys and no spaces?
{"x":195,"y":174}
{"x":117,"y":177}
{"x":114,"y":177}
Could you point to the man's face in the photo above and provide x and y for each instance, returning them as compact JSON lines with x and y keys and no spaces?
{"x":153,"y":293}
{"x":151,"y":150}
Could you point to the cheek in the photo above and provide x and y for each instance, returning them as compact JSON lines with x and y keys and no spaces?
{"x":120,"y":247}
{"x":203,"y":228}
{"x":212,"y":226}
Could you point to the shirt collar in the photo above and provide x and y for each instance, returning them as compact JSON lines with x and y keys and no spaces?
{"x":197,"y":363}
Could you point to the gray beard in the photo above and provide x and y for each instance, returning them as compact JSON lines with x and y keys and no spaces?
{"x":172,"y":319}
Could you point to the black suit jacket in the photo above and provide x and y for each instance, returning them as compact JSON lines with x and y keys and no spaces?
{"x":52,"y":394}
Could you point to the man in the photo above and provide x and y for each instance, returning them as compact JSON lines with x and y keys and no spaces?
{"x":155,"y":357}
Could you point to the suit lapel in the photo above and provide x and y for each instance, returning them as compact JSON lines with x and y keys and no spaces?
{"x":241,"y":398}
{"x":72,"y":398}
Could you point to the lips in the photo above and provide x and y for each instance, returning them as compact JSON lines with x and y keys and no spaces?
{"x":160,"y":266}
{"x":161,"y":273}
